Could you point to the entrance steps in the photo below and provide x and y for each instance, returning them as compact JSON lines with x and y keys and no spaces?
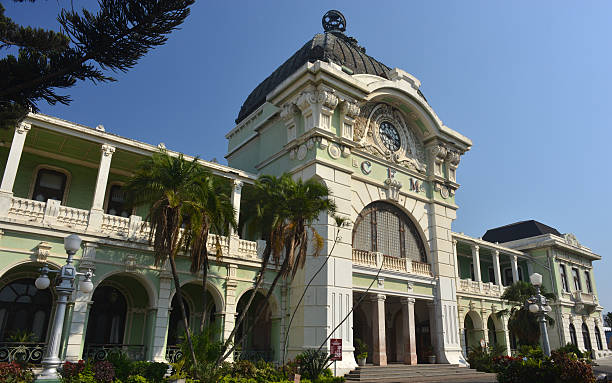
{"x":422,"y":373}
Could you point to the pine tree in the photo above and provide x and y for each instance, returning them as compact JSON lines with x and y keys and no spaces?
{"x":87,"y":48}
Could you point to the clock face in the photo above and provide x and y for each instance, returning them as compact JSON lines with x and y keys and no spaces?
{"x":390,"y":136}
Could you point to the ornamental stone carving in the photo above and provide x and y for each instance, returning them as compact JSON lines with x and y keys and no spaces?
{"x":289,"y":111}
{"x":350,"y":109}
{"x":324,"y":97}
{"x":42,"y":251}
{"x":23,"y":127}
{"x":410,"y":152}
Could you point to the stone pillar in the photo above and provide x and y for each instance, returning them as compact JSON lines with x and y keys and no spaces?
{"x":409,"y":331}
{"x":476,"y":262}
{"x":80,"y":312}
{"x":12,"y":164}
{"x":504,"y":321}
{"x":97,"y":206}
{"x":434,"y":331}
{"x":160,"y":329}
{"x":513,"y":261}
{"x":379,"y":345}
{"x":229,"y":318}
{"x":236,"y":195}
{"x":496,"y":269}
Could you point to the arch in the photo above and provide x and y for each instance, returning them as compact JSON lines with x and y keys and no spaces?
{"x":25,"y":311}
{"x":492,"y":330}
{"x":586,"y":337}
{"x":214,"y":291}
{"x":175,"y":321}
{"x":107,"y":317}
{"x":4,"y":273}
{"x":473,"y":330}
{"x":386,"y":228}
{"x":144,"y":282}
{"x":572,"y":334}
{"x":272,"y":303}
{"x":257,"y":345}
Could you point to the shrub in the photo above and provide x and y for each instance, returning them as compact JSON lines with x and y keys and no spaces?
{"x":571,"y":348}
{"x":572,"y":370}
{"x":122,"y":364}
{"x":481,"y":359}
{"x":104,"y":371}
{"x":137,"y":379}
{"x":15,"y":373}
{"x":151,"y":371}
{"x":70,"y":371}
{"x":312,"y":363}
{"x":559,"y":368}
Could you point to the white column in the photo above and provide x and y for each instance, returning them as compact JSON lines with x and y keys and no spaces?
{"x":236,"y":195}
{"x":513,"y":261}
{"x":229,"y":319}
{"x":504,"y":321}
{"x":409,"y":331}
{"x":455,"y":258}
{"x":97,"y":207}
{"x":162,"y":317}
{"x":379,"y":346}
{"x":496,"y":269}
{"x":476,"y":262}
{"x":12,"y":164}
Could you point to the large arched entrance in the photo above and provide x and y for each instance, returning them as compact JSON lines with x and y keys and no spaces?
{"x":473,"y":331}
{"x":25,"y":315}
{"x":256,"y":344}
{"x":118,"y":320}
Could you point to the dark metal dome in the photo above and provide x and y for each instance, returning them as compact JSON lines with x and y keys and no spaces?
{"x":331,"y":46}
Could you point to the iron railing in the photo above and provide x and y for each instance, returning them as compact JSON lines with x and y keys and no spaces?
{"x":97,"y":352}
{"x":173,"y":354}
{"x":23,"y":352}
{"x":254,"y":355}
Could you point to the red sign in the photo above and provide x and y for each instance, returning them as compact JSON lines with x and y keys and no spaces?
{"x":335,"y":349}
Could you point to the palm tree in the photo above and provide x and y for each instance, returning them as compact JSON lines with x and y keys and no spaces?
{"x":523,"y":323}
{"x":283,"y":210}
{"x":211,"y":210}
{"x":173,"y":188}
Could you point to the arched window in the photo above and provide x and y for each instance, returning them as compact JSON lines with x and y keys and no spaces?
{"x":49,"y":184}
{"x":572,"y":333}
{"x":107,"y":317}
{"x":384,"y":228}
{"x":586,"y":337}
{"x":24,"y":310}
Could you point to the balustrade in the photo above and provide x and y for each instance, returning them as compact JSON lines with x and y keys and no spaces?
{"x":115,"y":224}
{"x":22,"y":352}
{"x":394,"y":263}
{"x":364,"y":257}
{"x":373,"y":259}
{"x":28,"y":209}
{"x":71,"y":216}
{"x":421,"y":268}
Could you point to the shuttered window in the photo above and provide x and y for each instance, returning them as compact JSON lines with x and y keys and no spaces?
{"x":384,"y":228}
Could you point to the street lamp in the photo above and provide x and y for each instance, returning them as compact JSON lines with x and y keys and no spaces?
{"x":64,"y":287}
{"x":538,"y":305}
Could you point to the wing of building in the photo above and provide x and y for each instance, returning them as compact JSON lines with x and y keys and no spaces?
{"x":409,"y":287}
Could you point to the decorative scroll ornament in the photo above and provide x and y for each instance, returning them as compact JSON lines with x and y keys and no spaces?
{"x":42,"y":251}
{"x":571,"y":239}
{"x":323,"y":97}
{"x":410,"y":154}
{"x":288,"y":111}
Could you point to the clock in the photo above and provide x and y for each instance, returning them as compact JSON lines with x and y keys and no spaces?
{"x":389,"y":136}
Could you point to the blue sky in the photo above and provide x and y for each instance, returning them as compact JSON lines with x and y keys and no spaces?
{"x":528,"y":82}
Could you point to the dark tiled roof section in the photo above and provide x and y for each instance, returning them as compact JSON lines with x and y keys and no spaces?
{"x":518,"y":230}
{"x":333,"y":47}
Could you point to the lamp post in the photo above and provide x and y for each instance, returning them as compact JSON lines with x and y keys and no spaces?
{"x":64,"y":287}
{"x":538,"y":305}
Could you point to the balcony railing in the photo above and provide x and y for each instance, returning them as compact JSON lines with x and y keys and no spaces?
{"x":377,"y":260}
{"x":254,"y":355}
{"x":469,"y":286}
{"x":98,"y":352}
{"x":22,"y":352}
{"x":52,"y":213}
{"x":587,"y":299}
{"x":173,"y":354}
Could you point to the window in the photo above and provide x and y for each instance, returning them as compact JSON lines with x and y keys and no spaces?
{"x":50,"y":184}
{"x":587,"y":281}
{"x":508,"y":280}
{"x":472,"y":274}
{"x":491,"y":275}
{"x":563,"y":273}
{"x":385,"y":228}
{"x":107,"y":317}
{"x":116,"y":202}
{"x":576,"y":276}
{"x":598,"y":338}
{"x":520,"y":273}
{"x":24,"y":308}
{"x":572,"y":333}
{"x":586,"y":337}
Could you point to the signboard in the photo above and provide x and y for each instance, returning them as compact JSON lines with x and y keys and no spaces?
{"x":335,"y":349}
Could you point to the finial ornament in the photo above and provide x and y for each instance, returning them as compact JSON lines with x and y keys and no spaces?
{"x":334,"y":21}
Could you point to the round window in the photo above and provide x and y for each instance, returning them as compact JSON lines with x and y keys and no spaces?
{"x":389,"y":135}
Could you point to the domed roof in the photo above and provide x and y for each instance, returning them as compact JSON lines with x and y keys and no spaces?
{"x":331,"y":46}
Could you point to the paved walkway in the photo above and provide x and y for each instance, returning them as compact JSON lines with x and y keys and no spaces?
{"x":604,"y":366}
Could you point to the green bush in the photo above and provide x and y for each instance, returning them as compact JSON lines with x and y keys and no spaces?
{"x":152,"y":371}
{"x":481,"y":359}
{"x":312,"y":363}
{"x":137,"y":379}
{"x":559,"y":368}
{"x":571,"y":348}
{"x":122,"y":364}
